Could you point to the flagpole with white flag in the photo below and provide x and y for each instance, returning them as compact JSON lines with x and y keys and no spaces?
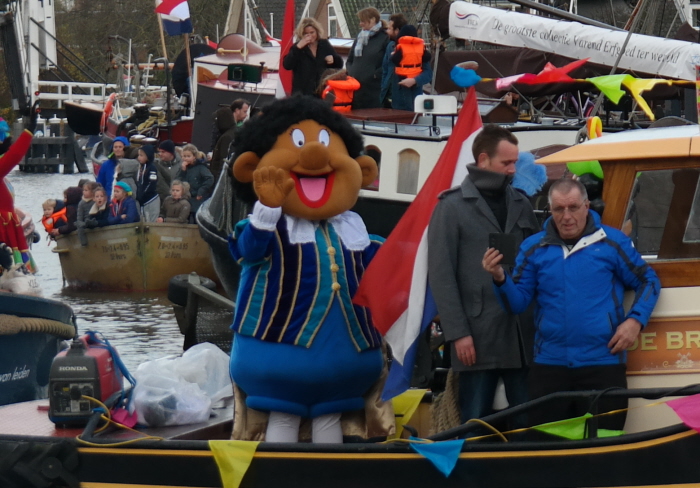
{"x":395,"y":286}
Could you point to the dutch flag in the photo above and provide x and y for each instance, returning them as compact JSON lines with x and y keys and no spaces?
{"x":175,"y":15}
{"x":395,"y":286}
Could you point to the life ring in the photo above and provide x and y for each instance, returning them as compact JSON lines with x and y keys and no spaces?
{"x":107,"y":112}
{"x":594,"y":126}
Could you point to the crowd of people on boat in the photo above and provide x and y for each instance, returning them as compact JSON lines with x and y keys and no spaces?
{"x":134,"y":185}
{"x":387,"y":66}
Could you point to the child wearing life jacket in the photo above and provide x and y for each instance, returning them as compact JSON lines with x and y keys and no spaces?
{"x":410,"y":53}
{"x":412,"y":70}
{"x":339,"y":88}
{"x":53,"y":219}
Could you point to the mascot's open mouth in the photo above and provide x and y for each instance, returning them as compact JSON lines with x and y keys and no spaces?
{"x":314,"y":191}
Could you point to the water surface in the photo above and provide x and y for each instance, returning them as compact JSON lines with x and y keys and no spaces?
{"x":141,"y":326}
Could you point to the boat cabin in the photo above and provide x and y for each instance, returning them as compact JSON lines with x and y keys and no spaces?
{"x":407,"y":151}
{"x":651,"y":192}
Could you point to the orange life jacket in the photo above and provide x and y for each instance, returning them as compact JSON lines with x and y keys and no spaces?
{"x":56,"y":216}
{"x":344,"y":90}
{"x":412,"y":49}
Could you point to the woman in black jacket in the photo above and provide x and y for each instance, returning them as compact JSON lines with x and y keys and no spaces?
{"x":366,"y":57}
{"x":310,"y":57}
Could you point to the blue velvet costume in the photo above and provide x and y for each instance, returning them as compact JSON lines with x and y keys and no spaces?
{"x":301,"y":346}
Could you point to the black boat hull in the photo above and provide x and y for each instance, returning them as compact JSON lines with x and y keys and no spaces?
{"x":26,"y":357}
{"x":667,"y":457}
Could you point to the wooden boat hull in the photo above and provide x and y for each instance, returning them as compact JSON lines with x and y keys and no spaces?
{"x":133,"y":257}
{"x":26,"y":356}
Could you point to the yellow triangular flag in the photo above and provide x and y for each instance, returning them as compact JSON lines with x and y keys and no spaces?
{"x":233,"y":459}
{"x":405,"y":405}
{"x":637,"y":85}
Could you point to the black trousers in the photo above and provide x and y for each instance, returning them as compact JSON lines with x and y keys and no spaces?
{"x":544,"y":379}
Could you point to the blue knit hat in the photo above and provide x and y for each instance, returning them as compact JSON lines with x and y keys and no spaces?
{"x":124,"y":186}
{"x":123,"y":140}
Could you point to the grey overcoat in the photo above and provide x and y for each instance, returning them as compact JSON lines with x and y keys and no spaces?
{"x":463,"y":291}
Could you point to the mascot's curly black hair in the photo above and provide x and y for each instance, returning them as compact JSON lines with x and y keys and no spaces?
{"x":260,"y":133}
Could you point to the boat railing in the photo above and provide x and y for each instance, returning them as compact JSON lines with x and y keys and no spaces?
{"x":421,"y":130}
{"x":593,"y":396}
{"x":62,"y":91}
{"x":206,"y":317}
{"x":219,"y":427}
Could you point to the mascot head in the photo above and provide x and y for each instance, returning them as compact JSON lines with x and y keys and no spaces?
{"x":301,"y":155}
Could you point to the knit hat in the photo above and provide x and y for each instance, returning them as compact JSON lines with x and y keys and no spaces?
{"x":149,"y":151}
{"x":168,"y":146}
{"x":408,"y":30}
{"x":123,"y":140}
{"x":124,"y":186}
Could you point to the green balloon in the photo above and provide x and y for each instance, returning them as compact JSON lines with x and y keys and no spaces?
{"x":583,"y":167}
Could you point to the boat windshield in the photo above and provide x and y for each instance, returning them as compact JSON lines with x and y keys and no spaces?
{"x":663,"y":214}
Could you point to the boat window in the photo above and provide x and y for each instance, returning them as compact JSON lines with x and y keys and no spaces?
{"x":409,"y":164}
{"x":332,"y":22}
{"x":663,"y":216}
{"x":692,"y":229}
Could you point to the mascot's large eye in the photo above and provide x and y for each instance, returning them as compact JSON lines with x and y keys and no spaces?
{"x":324,"y":137}
{"x":298,"y":137}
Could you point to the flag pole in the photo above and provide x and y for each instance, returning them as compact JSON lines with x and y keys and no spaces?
{"x":162,"y":35}
{"x":187,"y":52}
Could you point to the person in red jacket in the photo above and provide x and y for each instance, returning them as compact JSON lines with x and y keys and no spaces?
{"x":11,"y":232}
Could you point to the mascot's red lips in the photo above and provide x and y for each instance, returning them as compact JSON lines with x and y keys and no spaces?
{"x":314,"y":191}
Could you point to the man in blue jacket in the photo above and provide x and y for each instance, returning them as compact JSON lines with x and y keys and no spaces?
{"x":577,"y":271}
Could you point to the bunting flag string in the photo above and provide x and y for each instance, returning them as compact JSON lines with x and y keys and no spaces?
{"x":612,"y":86}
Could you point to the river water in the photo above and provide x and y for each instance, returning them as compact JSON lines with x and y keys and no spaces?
{"x":141,"y":326}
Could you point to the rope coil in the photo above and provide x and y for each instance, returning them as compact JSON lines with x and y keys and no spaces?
{"x":12,"y":324}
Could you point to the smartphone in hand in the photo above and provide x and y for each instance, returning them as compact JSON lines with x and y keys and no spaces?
{"x":506,"y":245}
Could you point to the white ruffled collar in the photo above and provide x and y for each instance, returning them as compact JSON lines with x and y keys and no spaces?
{"x":348,"y":225}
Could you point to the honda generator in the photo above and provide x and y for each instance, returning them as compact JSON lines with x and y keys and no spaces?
{"x":84,"y":371}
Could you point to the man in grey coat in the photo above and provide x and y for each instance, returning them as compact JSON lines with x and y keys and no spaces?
{"x":486,"y":343}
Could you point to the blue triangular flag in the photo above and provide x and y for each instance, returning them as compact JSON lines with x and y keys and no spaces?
{"x":443,"y":454}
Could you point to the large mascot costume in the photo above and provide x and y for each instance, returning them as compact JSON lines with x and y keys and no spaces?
{"x":302,"y":350}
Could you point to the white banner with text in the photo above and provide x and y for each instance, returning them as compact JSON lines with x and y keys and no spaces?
{"x":655,"y":55}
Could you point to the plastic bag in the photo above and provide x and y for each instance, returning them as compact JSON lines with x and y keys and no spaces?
{"x":178,"y":391}
{"x":18,"y":280}
{"x":207,"y":366}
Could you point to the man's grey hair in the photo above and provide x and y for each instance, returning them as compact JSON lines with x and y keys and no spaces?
{"x":564,"y":186}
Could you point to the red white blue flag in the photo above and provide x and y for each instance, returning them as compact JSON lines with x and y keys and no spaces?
{"x":395,"y":285}
{"x":175,"y":15}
